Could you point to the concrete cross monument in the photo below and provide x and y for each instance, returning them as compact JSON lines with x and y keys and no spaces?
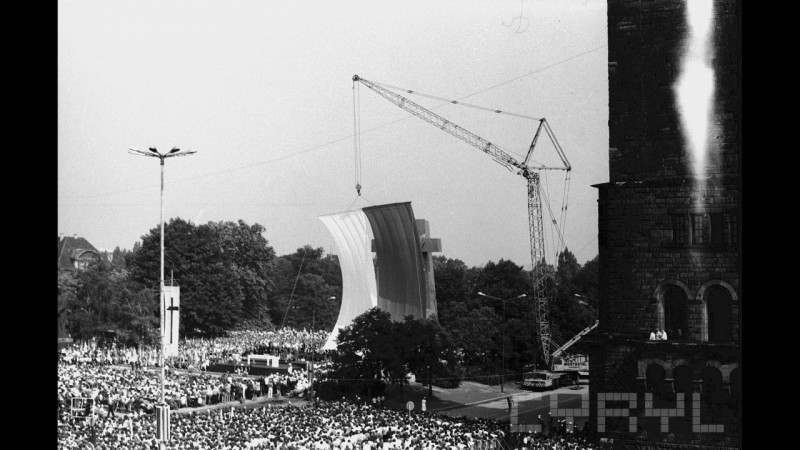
{"x":170,"y":319}
{"x":428,"y":245}
{"x":404,"y":261}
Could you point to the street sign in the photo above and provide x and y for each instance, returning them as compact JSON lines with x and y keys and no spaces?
{"x":410,"y":405}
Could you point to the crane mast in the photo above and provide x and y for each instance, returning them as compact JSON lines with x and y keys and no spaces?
{"x":538,"y":268}
{"x":535,"y":221}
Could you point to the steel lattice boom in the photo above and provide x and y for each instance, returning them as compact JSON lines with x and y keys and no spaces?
{"x":535,"y":220}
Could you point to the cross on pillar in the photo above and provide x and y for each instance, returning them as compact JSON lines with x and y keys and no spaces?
{"x":172,"y":308}
{"x":428,"y":245}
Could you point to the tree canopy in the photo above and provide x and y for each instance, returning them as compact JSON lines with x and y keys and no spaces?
{"x":376,"y":349}
{"x":223,"y":268}
{"x":482,"y":326}
{"x":102,"y":300}
{"x":230,"y":278}
{"x":306,"y":281}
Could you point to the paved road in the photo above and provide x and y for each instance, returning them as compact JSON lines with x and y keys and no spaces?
{"x":477,"y":400}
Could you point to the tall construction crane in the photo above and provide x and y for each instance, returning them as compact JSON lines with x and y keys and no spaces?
{"x":525,"y":169}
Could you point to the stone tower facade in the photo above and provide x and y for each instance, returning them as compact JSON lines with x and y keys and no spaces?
{"x":669,"y":234}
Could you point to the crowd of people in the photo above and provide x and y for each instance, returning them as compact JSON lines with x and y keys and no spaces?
{"x":118,"y":389}
{"x":313,"y":426}
{"x":288,"y":344}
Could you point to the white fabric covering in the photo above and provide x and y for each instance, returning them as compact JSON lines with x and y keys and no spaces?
{"x":350,"y":231}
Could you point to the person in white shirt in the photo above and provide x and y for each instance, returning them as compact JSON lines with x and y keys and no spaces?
{"x":653,"y":335}
{"x":663,"y":335}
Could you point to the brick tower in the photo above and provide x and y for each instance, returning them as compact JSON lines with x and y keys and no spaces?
{"x":669,"y":230}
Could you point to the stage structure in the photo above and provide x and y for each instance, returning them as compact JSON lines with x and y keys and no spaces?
{"x":400,"y":278}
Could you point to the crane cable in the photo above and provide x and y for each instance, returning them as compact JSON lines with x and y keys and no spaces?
{"x":564,"y":204}
{"x":554,"y":221}
{"x":563,"y":209}
{"x":289,"y":305}
{"x":567,"y":179}
{"x":357,"y":137}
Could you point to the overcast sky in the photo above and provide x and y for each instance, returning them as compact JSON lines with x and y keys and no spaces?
{"x":263,"y":92}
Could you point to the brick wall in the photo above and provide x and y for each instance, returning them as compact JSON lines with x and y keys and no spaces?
{"x":613,"y":362}
{"x":645,"y":45}
{"x":652,"y":182}
{"x":637,"y":253}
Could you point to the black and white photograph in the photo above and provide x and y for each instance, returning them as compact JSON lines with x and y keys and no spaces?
{"x":375,"y":225}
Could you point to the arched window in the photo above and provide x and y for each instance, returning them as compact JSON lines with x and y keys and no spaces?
{"x":712,"y":385}
{"x":683,"y":380}
{"x":675,"y":313}
{"x":718,"y":304}
{"x":655,"y":378}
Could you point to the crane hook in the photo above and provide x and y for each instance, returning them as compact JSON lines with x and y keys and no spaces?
{"x":358,"y":189}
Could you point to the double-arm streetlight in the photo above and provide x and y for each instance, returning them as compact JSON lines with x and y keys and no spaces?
{"x":503,"y":358}
{"x":154,"y":153}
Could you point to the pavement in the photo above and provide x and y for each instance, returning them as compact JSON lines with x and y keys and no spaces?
{"x":477,"y":400}
{"x":470,"y":399}
{"x":473,"y":399}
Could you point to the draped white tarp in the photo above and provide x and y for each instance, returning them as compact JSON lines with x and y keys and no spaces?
{"x":350,"y":231}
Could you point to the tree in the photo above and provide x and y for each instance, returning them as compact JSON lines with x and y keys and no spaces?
{"x":307,"y":307}
{"x":474,"y":334}
{"x":503,"y":279}
{"x":119,"y":257}
{"x":368,"y":350}
{"x":304,"y":281}
{"x":567,"y":267}
{"x":451,"y":277}
{"x":428,"y":350}
{"x":573,"y":307}
{"x":100,"y":300}
{"x":586,"y":280}
{"x":223,"y":269}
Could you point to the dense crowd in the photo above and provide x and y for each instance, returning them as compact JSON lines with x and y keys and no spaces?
{"x":118,"y":389}
{"x":314,"y":426}
{"x":321,"y":425}
{"x":288,"y":344}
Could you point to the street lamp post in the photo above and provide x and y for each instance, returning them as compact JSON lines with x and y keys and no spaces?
{"x":503,"y":341}
{"x":154,"y":153}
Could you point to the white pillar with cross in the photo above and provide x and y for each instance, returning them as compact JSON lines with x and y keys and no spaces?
{"x":170,"y":315}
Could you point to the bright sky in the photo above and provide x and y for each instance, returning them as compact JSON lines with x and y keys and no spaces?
{"x":263,"y":92}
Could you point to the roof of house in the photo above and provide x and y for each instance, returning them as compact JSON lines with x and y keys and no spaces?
{"x":71,"y":248}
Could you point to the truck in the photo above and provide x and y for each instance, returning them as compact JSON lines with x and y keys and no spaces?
{"x":564,"y":368}
{"x":541,"y":379}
